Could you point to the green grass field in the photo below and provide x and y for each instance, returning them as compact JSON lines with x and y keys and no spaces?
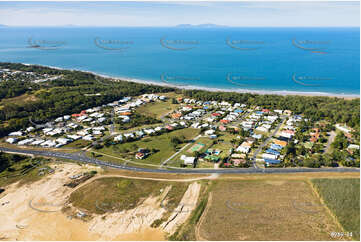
{"x":162,"y":144}
{"x":342,"y":197}
{"x":157,"y":109}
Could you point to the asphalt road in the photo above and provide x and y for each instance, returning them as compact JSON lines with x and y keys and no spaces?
{"x":84,"y":159}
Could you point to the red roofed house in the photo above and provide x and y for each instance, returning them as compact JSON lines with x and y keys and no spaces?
{"x":224,"y":121}
{"x":222,"y":128}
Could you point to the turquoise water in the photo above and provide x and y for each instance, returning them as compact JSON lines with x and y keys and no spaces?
{"x":278,"y":59}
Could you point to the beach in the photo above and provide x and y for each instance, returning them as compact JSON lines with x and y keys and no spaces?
{"x":211,"y":89}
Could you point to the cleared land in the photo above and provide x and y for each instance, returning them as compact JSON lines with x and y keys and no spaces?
{"x":161,"y":146}
{"x":157,"y":109}
{"x":266,"y":210}
{"x":117,"y":194}
{"x":342,"y":197}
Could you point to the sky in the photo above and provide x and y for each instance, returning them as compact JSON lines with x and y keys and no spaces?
{"x":242,"y":14}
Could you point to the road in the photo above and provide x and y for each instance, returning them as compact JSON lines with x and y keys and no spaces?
{"x":266,"y":142}
{"x":330,"y":141}
{"x":84,"y":159}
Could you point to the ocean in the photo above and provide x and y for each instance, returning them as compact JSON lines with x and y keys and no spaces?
{"x":310,"y":60}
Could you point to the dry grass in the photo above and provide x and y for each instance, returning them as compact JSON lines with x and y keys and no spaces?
{"x":266,"y":210}
{"x":118,"y":194}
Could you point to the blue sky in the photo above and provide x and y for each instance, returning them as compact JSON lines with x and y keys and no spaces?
{"x":252,"y":14}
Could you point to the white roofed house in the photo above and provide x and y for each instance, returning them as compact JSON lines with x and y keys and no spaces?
{"x":139,"y":133}
{"x":149,"y":131}
{"x":88,"y":138}
{"x":18,"y":133}
{"x":243,"y":149}
{"x":48,"y":144}
{"x":30,"y":129}
{"x":118,"y":138}
{"x":62,"y":141}
{"x":38,"y":142}
{"x":74,"y":137}
{"x":160,"y":128}
{"x":60,"y":119}
{"x":83,"y":132}
{"x":209,"y":132}
{"x":11,"y":140}
{"x":269,"y":156}
{"x":129,"y":135}
{"x":188,"y":160}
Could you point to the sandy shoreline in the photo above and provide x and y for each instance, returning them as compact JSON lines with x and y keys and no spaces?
{"x":212,"y":89}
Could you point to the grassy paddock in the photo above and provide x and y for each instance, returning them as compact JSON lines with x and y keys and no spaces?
{"x":342,"y":197}
{"x":162,"y":144}
{"x":117,"y":194}
{"x":266,"y":210}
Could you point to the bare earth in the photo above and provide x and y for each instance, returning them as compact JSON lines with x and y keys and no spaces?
{"x":33,"y":212}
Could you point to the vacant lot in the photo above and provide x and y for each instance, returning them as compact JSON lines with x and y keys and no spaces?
{"x":265,"y":210}
{"x":118,"y":194}
{"x":342,"y":197}
{"x":160,"y":145}
{"x":157,"y":109}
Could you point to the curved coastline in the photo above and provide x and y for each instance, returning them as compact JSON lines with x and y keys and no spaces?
{"x":211,"y":89}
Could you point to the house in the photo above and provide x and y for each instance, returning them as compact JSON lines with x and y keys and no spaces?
{"x":25,"y":141}
{"x":30,"y":129}
{"x":168,"y":127}
{"x":209,"y":132}
{"x":140,"y":155}
{"x":222,"y":128}
{"x":237,"y":156}
{"x":213,"y":136}
{"x":129,"y":135}
{"x":271,"y":161}
{"x":139,"y":133}
{"x":353,"y":146}
{"x":243,"y":149}
{"x":118,"y":138}
{"x":176,"y":115}
{"x":257,"y":136}
{"x":18,"y":133}
{"x":224,"y":121}
{"x":88,"y":138}
{"x":62,"y":141}
{"x":276,"y":147}
{"x":269,"y":156}
{"x":280,"y":142}
{"x":216,"y":114}
{"x":188,"y":160}
{"x":48,"y":144}
{"x":158,"y":129}
{"x":237,"y":162}
{"x":344,"y":129}
{"x":38,"y":142}
{"x":74,"y":137}
{"x":11,"y":140}
{"x":273,"y":152}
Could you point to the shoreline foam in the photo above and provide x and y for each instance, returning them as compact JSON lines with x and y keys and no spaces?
{"x":211,"y":89}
